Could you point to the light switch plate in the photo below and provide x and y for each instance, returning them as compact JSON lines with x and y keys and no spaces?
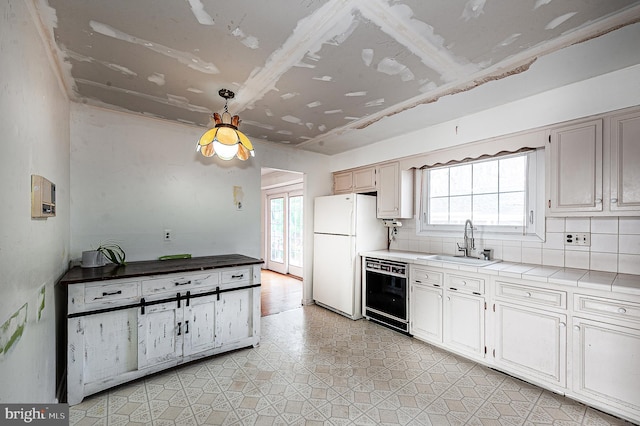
{"x":577,"y":239}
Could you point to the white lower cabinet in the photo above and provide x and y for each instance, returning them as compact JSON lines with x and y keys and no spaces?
{"x":234,"y":317}
{"x":606,"y":353}
{"x":530,"y":331}
{"x":588,"y":350}
{"x":158,"y":337}
{"x":464,"y":313}
{"x":167,"y":332}
{"x":425,"y":298}
{"x":106,"y":346}
{"x":464,"y":323}
{"x":532,"y":342}
{"x":606,"y":363}
{"x":426,"y":317}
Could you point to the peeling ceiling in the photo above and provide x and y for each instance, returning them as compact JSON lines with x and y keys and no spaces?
{"x":306,"y":72}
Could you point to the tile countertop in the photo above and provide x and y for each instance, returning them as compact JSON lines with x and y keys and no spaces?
{"x":597,"y":280}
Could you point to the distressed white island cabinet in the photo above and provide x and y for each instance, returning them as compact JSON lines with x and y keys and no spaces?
{"x":129,"y":321}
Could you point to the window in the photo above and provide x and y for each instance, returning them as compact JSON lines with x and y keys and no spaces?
{"x":500,"y":195}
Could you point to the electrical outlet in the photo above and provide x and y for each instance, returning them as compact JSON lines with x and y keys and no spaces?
{"x":167,"y":234}
{"x":577,"y":239}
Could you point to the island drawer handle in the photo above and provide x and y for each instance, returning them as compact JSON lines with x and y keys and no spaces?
{"x":183,"y":283}
{"x":113,"y":293}
{"x":237,"y":276}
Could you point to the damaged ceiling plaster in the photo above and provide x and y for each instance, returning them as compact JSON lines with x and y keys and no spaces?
{"x":320,"y":75}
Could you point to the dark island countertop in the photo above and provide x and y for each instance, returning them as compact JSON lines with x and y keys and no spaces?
{"x":78,"y":274}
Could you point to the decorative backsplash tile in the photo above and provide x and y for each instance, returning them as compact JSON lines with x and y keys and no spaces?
{"x":615,"y":244}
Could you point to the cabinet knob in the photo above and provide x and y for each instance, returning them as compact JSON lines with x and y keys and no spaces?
{"x":448,"y":298}
{"x":439,"y":297}
{"x":464,"y":282}
{"x":622,"y":311}
{"x":614,"y":200}
{"x":528,"y":294}
{"x":598,"y":200}
{"x":562,"y":325}
{"x":576,"y":327}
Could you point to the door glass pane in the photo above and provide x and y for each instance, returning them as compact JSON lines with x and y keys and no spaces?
{"x":295,"y":231}
{"x":276,"y":209}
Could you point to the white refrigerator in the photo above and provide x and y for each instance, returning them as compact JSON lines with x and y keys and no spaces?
{"x":343,"y":226}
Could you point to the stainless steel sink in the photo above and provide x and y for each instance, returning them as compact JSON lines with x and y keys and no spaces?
{"x":470,"y":261}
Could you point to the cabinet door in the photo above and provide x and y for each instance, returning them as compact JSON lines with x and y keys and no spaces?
{"x":464,"y":323}
{"x":532,"y":341}
{"x":364,"y":180}
{"x":426,"y":312}
{"x":605,"y":363}
{"x":199,"y":325}
{"x":575,"y":168}
{"x":234,"y":317}
{"x":110,"y":344}
{"x":160,"y":334}
{"x":388,"y":191}
{"x":625,"y":161}
{"x":342,"y":182}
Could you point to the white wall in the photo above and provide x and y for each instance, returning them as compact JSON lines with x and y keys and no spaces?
{"x":34,"y":127}
{"x":133,"y":177}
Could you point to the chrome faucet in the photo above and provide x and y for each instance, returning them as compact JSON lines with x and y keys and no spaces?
{"x":469,"y":243}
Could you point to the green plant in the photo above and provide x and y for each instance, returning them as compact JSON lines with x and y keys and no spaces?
{"x":113,"y":252}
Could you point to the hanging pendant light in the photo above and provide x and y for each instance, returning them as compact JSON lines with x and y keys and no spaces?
{"x":225,"y":139}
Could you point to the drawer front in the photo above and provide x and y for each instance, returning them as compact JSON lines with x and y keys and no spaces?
{"x":179,"y":283}
{"x":462,"y":283}
{"x":611,"y":308}
{"x":523,"y":293}
{"x":236,"y":275}
{"x":110,"y":292}
{"x":424,"y":276}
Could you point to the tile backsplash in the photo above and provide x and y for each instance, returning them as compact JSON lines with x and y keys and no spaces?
{"x":615,"y":244}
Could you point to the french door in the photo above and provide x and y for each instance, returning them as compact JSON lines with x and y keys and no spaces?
{"x":284,"y":245}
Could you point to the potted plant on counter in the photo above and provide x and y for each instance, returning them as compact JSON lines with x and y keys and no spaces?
{"x":98,"y":257}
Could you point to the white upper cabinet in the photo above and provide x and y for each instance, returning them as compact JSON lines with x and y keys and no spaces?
{"x":592,"y":167}
{"x":625,"y":162}
{"x":395,"y":192}
{"x":575,"y":169}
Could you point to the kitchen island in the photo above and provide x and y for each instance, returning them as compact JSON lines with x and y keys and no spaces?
{"x":125,"y":322}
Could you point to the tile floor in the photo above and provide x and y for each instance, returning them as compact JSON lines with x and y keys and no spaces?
{"x":314,"y":367}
